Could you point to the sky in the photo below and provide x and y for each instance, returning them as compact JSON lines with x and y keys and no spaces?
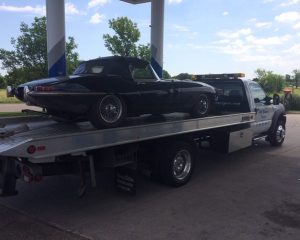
{"x":200,"y":36}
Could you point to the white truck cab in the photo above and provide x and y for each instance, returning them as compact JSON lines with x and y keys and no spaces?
{"x":240,"y":95}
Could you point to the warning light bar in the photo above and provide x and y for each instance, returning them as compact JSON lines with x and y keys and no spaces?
{"x":219,"y":76}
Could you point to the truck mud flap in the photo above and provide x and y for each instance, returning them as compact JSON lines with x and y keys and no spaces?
{"x":125,"y":180}
{"x":7,"y":177}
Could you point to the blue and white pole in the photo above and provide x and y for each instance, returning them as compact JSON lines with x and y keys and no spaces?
{"x":56,"y":47}
{"x":157,"y":35}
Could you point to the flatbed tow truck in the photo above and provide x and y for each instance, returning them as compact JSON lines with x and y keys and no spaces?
{"x":165,"y":145}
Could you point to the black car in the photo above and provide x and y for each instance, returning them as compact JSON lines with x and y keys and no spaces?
{"x":108,"y":89}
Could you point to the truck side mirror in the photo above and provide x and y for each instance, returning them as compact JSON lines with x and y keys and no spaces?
{"x":276,"y":99}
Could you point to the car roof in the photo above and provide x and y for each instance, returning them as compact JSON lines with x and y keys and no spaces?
{"x":130,"y":60}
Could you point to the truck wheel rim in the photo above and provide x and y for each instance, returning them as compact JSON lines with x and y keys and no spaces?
{"x":280,"y":133}
{"x":110,"y":109}
{"x":182,"y":165}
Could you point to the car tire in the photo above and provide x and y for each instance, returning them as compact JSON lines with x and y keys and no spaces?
{"x":108,"y":112}
{"x":202,"y":106}
{"x":277,"y":136}
{"x":177,"y":163}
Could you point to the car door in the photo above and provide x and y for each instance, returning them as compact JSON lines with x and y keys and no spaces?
{"x":155,"y":96}
{"x":264,"y":110}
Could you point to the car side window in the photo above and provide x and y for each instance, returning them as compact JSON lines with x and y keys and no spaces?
{"x":257,"y":92}
{"x":143,"y":75}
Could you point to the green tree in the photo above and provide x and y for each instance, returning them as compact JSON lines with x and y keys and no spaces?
{"x":269,"y":81}
{"x":144,"y":52}
{"x":124,"y":41}
{"x":126,"y":36}
{"x":28,"y":60}
{"x":2,"y":82}
{"x":183,"y":76}
{"x":296,"y":77}
{"x":166,"y":75}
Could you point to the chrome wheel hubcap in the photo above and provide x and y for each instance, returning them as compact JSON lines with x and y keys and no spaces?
{"x":280,"y":133}
{"x":203,"y":105}
{"x":110,"y":109}
{"x":182,"y":165}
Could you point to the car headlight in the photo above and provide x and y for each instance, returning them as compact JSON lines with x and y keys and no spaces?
{"x":25,"y":92}
{"x":10,"y":91}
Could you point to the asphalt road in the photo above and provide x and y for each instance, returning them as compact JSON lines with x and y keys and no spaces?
{"x":251,"y":194}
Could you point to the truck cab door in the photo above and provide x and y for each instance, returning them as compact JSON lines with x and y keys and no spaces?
{"x":263,"y":108}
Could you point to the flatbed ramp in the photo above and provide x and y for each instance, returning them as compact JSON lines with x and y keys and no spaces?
{"x":48,"y":138}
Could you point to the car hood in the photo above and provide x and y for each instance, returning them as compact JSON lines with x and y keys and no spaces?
{"x":48,"y":81}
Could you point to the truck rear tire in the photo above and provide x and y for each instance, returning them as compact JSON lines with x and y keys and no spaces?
{"x":177,"y":163}
{"x":277,"y":135}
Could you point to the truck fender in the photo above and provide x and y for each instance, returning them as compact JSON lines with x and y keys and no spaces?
{"x":279,"y":114}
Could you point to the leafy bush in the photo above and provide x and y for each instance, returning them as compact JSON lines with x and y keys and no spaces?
{"x":295,"y":102}
{"x":2,"y":82}
{"x":270,"y":82}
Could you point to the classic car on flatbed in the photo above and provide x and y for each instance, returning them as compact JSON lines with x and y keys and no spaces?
{"x":107,"y":90}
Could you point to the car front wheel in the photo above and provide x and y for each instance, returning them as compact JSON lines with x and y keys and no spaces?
{"x":201,"y":107}
{"x":108,"y":112}
{"x":277,"y":136}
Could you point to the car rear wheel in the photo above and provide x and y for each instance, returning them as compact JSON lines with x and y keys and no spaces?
{"x":108,"y":112}
{"x":202,"y":106}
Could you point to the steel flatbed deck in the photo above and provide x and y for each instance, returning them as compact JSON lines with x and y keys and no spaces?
{"x":54,"y":139}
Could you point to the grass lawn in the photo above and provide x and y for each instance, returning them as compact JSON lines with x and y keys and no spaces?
{"x":12,"y":114}
{"x":4,"y":99}
{"x":296,"y":91}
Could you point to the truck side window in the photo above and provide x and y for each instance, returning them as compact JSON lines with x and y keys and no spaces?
{"x":257,"y":92}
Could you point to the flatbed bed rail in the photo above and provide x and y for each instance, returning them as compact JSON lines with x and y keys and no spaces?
{"x":52,"y":139}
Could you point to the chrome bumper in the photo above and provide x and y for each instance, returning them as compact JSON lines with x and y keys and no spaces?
{"x":10,"y":91}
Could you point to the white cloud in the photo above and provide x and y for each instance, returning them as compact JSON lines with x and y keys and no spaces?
{"x":263,"y":24}
{"x":288,"y":17}
{"x":268,"y":41}
{"x":295,"y":49}
{"x":38,"y":10}
{"x":97,"y":18}
{"x":289,"y":3}
{"x":268,"y":1}
{"x":97,"y":3}
{"x":297,"y":25}
{"x":225,"y":13}
{"x":70,"y":9}
{"x":234,"y":34}
{"x":180,"y":28}
{"x":252,"y":20}
{"x":261,"y":59}
{"x":174,"y":1}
